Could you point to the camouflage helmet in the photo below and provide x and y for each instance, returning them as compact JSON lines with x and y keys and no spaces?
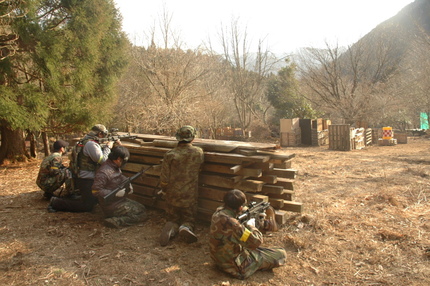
{"x":99,"y":128}
{"x":186,"y":133}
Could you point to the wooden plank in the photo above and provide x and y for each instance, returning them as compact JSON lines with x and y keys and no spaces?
{"x":147,"y":180}
{"x":232,"y":158}
{"x":282,"y":173}
{"x":212,"y":193}
{"x":256,"y":198}
{"x":272,"y":189}
{"x":292,"y":207}
{"x":285,"y":195}
{"x":285,"y":183}
{"x":250,"y":172}
{"x":283,"y":165}
{"x":269,"y":179}
{"x":149,"y":150}
{"x":281,"y":217}
{"x":276,"y":203}
{"x":221,"y":168}
{"x":165,"y":143}
{"x":134,"y":167}
{"x":144,"y":190}
{"x":145,"y":159}
{"x":251,"y":186}
{"x":209,"y":204}
{"x":266,"y":166}
{"x":277,"y":155}
{"x":217,"y":181}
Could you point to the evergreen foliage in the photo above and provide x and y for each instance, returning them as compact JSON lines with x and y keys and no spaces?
{"x":282,"y":93}
{"x":71,"y":54}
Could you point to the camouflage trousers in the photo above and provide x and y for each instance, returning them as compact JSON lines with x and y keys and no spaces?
{"x":128,"y":213}
{"x":182,"y":216}
{"x":258,"y":259}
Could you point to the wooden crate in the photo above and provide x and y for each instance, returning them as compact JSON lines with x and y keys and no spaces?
{"x":340,"y":137}
{"x":289,"y":124}
{"x":401,"y":137}
{"x":387,"y":142}
{"x":291,"y":139}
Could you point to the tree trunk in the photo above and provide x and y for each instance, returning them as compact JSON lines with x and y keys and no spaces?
{"x":45,"y":143}
{"x":33,"y":144}
{"x":12,"y":146}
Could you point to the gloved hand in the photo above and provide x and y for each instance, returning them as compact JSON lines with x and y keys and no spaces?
{"x":261,"y":218}
{"x":120,"y":193}
{"x":251,"y":222}
{"x":130,"y":189}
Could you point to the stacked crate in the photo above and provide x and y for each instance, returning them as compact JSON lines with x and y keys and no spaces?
{"x":290,"y":132}
{"x":258,"y":169}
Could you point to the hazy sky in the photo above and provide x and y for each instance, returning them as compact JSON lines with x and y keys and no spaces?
{"x":284,"y":24}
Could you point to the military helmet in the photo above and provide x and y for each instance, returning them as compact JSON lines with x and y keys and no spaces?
{"x":186,"y":133}
{"x":100,"y":128}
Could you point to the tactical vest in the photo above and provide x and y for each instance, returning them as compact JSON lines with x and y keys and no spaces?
{"x":79,"y":161}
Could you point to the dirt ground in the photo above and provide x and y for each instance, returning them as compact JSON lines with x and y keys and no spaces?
{"x":366,"y":222}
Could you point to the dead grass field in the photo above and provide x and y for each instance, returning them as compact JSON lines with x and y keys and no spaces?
{"x":366,"y":222}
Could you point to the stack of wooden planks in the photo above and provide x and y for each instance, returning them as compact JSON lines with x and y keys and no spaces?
{"x":258,"y":169}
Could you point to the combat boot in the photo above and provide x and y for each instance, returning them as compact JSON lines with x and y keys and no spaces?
{"x":50,"y":208}
{"x":167,"y":232}
{"x":187,"y":235}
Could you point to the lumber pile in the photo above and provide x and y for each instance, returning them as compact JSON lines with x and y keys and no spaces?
{"x":258,"y":169}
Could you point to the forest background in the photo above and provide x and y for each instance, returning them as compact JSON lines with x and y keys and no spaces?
{"x":67,"y":65}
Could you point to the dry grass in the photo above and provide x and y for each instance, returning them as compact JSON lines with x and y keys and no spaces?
{"x":366,"y":222}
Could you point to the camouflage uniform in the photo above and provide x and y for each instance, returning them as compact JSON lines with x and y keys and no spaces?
{"x":236,"y":248}
{"x":89,"y":159}
{"x":179,"y":180}
{"x":53,"y":174}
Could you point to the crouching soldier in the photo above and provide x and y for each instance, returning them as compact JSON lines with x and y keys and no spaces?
{"x":118,"y":211}
{"x":53,"y":174}
{"x":236,"y":248}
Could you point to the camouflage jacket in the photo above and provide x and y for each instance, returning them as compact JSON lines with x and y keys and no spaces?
{"x":180,"y":174}
{"x":52,"y":173}
{"x":108,"y":177}
{"x":231,"y":243}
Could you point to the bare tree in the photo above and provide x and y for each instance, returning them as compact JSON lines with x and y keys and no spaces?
{"x":248,"y":73}
{"x":342,"y":82}
{"x":165,"y":84}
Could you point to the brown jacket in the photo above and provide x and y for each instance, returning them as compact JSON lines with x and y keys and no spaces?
{"x":108,"y":177}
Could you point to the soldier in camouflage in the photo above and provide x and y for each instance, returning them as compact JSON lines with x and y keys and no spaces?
{"x":179,"y":181}
{"x":235,"y":247}
{"x":119,"y":211}
{"x":53,"y":174}
{"x":89,"y":159}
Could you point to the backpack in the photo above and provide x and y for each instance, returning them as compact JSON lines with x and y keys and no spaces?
{"x":74,"y":158}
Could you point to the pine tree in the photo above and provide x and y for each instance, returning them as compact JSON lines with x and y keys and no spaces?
{"x":72,"y":53}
